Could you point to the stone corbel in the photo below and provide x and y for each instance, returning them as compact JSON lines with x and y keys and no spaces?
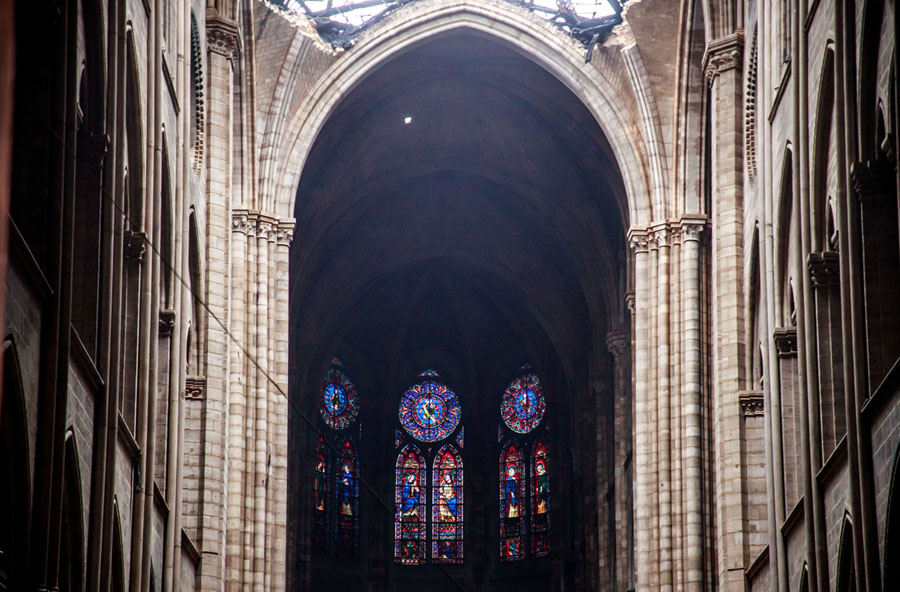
{"x":617,"y":343}
{"x":194,"y":387}
{"x":135,"y":245}
{"x":722,"y":55}
{"x":753,"y":403}
{"x":166,"y":322}
{"x":786,"y":342}
{"x":223,"y":36}
{"x":824,"y":268}
{"x":873,"y":180}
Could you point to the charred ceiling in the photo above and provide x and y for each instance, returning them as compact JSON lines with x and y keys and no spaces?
{"x":339,"y":22}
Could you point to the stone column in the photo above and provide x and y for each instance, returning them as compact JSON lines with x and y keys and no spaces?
{"x":723,"y":63}
{"x":223,"y":38}
{"x":617,"y":343}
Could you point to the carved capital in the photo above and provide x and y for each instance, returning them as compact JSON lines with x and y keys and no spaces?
{"x":722,"y":55}
{"x":659,"y":235}
{"x":824,"y":268}
{"x":617,"y":343}
{"x":753,"y":403}
{"x":222,"y":36}
{"x":691,"y":227}
{"x":286,"y":232}
{"x":873,"y":180}
{"x":629,"y":301}
{"x":786,"y":342}
{"x":240,"y":221}
{"x":92,"y":150}
{"x":265,"y":227}
{"x":194,"y":387}
{"x":166,"y":322}
{"x":639,"y":239}
{"x":135,"y":245}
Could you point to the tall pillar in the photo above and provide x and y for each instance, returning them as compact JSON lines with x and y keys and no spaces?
{"x":723,"y":70}
{"x":617,"y":343}
{"x":222,"y":37}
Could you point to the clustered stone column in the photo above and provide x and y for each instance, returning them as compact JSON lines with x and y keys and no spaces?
{"x":669,"y":489}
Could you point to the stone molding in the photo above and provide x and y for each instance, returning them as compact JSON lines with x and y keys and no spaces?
{"x":285,"y":234}
{"x":786,"y":341}
{"x":223,"y":36}
{"x":824,"y":268}
{"x":639,"y":240}
{"x":753,"y":403}
{"x":166,"y":322}
{"x":617,"y":342}
{"x":722,"y":55}
{"x":135,"y":245}
{"x":663,"y":234}
{"x":256,"y":224}
{"x":873,"y":180}
{"x":195,"y":387}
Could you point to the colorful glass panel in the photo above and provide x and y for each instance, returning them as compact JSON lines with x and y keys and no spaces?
{"x":429,"y":411}
{"x":461,"y":438}
{"x":347,"y":500}
{"x":447,"y":506}
{"x":340,"y":404}
{"x":410,"y":518}
{"x":513,"y":503}
{"x":523,"y":404}
{"x":320,"y":488}
{"x":540,"y":500}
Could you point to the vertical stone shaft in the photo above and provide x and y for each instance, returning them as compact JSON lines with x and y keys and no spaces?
{"x":724,"y":73}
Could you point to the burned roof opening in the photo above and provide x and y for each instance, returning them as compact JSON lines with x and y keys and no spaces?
{"x":339,"y":22}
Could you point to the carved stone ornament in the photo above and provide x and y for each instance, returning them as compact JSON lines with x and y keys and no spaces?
{"x":222,"y":36}
{"x":752,"y":403}
{"x":166,"y":322}
{"x":194,"y":387}
{"x":722,"y":55}
{"x":691,"y":227}
{"x":266,"y":227}
{"x":286,"y":232}
{"x":873,"y":179}
{"x":135,"y":245}
{"x":629,"y":301}
{"x":824,"y":268}
{"x":240,"y":221}
{"x":617,"y":343}
{"x":639,"y":239}
{"x":786,"y":342}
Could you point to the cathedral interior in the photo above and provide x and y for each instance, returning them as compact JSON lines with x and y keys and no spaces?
{"x":482,"y":295}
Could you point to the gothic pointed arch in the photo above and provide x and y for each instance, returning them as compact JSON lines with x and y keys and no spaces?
{"x":891,"y":548}
{"x":72,"y":537}
{"x":846,"y":567}
{"x":14,"y":469}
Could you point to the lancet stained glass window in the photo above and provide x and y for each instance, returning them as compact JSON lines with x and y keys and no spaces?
{"x":347,"y":488}
{"x":320,"y":498}
{"x":540,"y":500}
{"x":409,"y":523}
{"x":447,"y":506}
{"x":513,"y":502}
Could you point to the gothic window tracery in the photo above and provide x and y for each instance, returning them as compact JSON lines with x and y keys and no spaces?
{"x":428,"y":521}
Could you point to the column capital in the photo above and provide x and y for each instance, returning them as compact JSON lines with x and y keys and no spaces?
{"x":629,"y":301}
{"x":242,"y":220}
{"x":873,"y":180}
{"x":194,"y":387}
{"x":166,"y":322}
{"x":723,"y":54}
{"x":660,"y":234}
{"x":786,"y":341}
{"x":223,"y":36}
{"x":639,"y":239}
{"x":753,"y":403}
{"x":286,"y":231}
{"x":617,"y":342}
{"x":690,"y":226}
{"x":266,"y":227}
{"x":824,"y":268}
{"x":135,"y":244}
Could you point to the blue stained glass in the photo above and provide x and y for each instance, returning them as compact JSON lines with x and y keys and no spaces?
{"x":340,"y":404}
{"x":335,"y":398}
{"x":429,"y":411}
{"x":523,"y":404}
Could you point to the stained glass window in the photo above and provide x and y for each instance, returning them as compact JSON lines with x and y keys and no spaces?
{"x":447,"y":506}
{"x":340,"y":403}
{"x":347,"y":487}
{"x":410,"y":495}
{"x":540,"y":500}
{"x":523,"y":404}
{"x":429,"y":411}
{"x":320,"y":498}
{"x":513,"y":502}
